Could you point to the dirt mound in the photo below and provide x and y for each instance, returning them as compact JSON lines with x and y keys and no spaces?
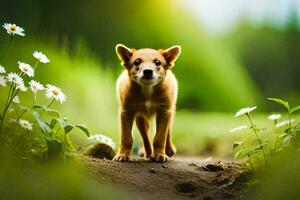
{"x":180,"y":178}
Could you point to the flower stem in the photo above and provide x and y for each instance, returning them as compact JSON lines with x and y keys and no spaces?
{"x":276,"y":142}
{"x":290,"y":130}
{"x":257,"y":138}
{"x":11,"y":96}
{"x":8,"y":96}
{"x":36,"y":64}
{"x":248,"y":155}
{"x":21,"y":115}
{"x":6,"y":50}
{"x":50,"y":103}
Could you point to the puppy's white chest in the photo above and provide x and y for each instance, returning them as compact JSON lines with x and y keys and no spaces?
{"x":148,"y":104}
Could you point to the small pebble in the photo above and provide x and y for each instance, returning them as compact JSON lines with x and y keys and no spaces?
{"x":153,"y":170}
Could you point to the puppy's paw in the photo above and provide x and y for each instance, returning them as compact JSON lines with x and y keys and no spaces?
{"x":159,"y":157}
{"x":120,"y":157}
{"x":141,"y":152}
{"x":170,"y":150}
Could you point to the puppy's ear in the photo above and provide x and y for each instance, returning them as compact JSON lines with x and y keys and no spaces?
{"x":124,"y":53}
{"x":171,"y":54}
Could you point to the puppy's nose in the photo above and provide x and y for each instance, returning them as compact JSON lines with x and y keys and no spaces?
{"x":148,"y":73}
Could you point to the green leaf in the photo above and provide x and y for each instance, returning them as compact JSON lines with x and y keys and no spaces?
{"x":53,"y":123}
{"x":239,"y":154}
{"x":287,"y":138}
{"x":295,"y":109}
{"x":288,"y":130}
{"x":40,"y":122}
{"x":84,"y":129}
{"x":38,"y":106}
{"x":258,"y":147}
{"x":281,"y":102}
{"x":282,"y":135}
{"x":236,"y":144}
{"x":52,"y":112}
{"x":253,"y":151}
{"x":55,"y":147}
{"x":257,"y":141}
{"x":68,"y":128}
{"x":60,"y":121}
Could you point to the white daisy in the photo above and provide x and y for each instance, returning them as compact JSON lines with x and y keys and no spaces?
{"x":283,"y":123}
{"x":13,"y":29}
{"x":16,"y":99}
{"x":21,"y":87}
{"x":25,"y":124}
{"x":56,"y":93}
{"x":41,"y":57}
{"x":245,"y":111}
{"x":274,"y":117}
{"x":26,"y":68}
{"x":238,"y":128}
{"x":2,"y":69}
{"x":14,"y":78}
{"x":35,"y":86}
{"x":2,"y":81}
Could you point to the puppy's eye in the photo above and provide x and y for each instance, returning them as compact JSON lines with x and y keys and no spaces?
{"x":137,"y":62}
{"x":157,"y":62}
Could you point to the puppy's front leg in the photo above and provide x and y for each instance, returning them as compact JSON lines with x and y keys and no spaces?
{"x":163,"y":120}
{"x":126,"y":119}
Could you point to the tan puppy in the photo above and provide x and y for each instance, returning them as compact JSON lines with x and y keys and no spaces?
{"x":147,"y":88}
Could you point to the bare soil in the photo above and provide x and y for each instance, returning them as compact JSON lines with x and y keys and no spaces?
{"x":180,"y":178}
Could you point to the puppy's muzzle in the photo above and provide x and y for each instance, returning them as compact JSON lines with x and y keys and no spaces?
{"x":147,"y":74}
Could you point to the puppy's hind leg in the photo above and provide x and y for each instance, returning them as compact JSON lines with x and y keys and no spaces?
{"x":143,"y":126}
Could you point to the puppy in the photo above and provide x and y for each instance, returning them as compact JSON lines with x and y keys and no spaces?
{"x":147,"y":88}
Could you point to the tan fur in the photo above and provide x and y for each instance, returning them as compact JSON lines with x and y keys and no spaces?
{"x":140,"y":99}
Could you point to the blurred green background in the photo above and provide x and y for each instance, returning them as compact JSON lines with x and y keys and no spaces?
{"x":234,"y":54}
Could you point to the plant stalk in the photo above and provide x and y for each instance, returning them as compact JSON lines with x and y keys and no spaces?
{"x":6,"y":50}
{"x":257,"y":138}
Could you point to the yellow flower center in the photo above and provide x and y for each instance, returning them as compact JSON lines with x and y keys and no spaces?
{"x":14,"y":78}
{"x":13,"y":27}
{"x":55,"y":92}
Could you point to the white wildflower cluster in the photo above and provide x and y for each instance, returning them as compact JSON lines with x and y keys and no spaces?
{"x":16,"y":82}
{"x":102,"y":139}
